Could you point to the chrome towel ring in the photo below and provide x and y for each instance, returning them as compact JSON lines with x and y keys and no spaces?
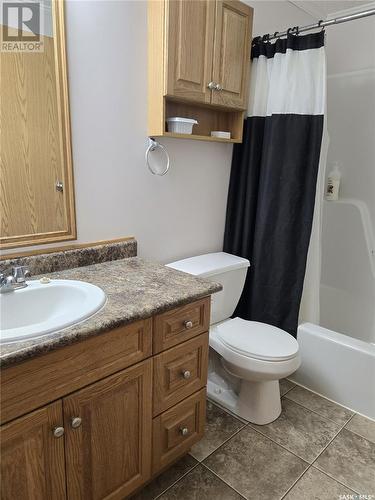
{"x":152,"y":145}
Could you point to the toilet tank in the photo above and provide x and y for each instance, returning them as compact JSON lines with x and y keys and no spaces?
{"x":221,"y":267}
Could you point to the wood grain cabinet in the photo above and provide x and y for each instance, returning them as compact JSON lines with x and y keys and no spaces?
{"x":32,"y":456}
{"x":199,"y":64}
{"x":190,"y":49}
{"x":108,"y":434}
{"x":121,"y":412}
{"x":231,"y":59}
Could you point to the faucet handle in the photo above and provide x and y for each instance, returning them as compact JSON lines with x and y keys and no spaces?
{"x":20,"y":273}
{"x":5,"y":272}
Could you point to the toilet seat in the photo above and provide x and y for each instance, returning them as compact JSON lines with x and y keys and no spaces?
{"x":256,"y":340}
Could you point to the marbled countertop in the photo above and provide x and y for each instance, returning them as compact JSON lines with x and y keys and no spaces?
{"x":135,"y":289}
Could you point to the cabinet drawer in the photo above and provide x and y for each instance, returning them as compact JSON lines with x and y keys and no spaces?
{"x":176,"y":430}
{"x":179,"y":372}
{"x":176,"y":326}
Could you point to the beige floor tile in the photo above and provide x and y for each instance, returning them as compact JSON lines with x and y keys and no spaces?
{"x":320,"y":405}
{"x":351,"y":460}
{"x":285,"y":386}
{"x":300,"y":430}
{"x":314,"y":485}
{"x":200,"y":484}
{"x":362,"y":426}
{"x":255,"y":466}
{"x":166,"y":479}
{"x":220,"y":426}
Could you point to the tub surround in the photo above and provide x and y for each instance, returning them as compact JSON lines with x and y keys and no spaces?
{"x":135,"y":289}
{"x":96,"y":253}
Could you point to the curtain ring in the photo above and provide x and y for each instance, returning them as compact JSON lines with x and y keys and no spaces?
{"x":275,"y":34}
{"x":297,"y":30}
{"x":320,"y":24}
{"x":288,"y":31}
{"x":152,"y":145}
{"x":266,"y":38}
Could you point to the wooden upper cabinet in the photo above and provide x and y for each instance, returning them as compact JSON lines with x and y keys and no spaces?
{"x":190,"y":44}
{"x":232,"y":53}
{"x":198,"y":66}
{"x":32,"y":458}
{"x":108,"y":452}
{"x":208,"y":41}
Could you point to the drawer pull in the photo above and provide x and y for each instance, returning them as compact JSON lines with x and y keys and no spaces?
{"x":76,"y":422}
{"x":188,"y":324}
{"x":186,"y":374}
{"x":184,"y":431}
{"x":58,"y":432}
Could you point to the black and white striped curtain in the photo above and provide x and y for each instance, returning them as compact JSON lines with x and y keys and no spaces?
{"x":273,"y":178}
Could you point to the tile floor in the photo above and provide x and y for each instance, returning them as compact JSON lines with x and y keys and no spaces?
{"x":315,"y":450}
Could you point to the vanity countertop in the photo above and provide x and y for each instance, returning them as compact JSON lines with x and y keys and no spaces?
{"x":135,"y":289}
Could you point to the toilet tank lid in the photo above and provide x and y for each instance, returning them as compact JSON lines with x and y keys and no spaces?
{"x":210,"y":264}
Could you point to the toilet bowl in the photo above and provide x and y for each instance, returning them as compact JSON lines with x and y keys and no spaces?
{"x":247,"y":358}
{"x":260,"y":355}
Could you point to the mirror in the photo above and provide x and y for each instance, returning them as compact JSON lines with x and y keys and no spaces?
{"x":36,"y":173}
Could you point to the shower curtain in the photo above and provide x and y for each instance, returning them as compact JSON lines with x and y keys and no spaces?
{"x":274,"y":174}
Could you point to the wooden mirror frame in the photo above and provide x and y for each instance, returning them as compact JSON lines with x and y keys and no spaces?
{"x":63,"y":121}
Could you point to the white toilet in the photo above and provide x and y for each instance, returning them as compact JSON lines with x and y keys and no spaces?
{"x":247,"y":358}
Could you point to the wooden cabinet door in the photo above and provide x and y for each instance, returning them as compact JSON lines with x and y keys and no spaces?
{"x":232,"y":53}
{"x":190,"y":48}
{"x":109,"y":454}
{"x":32,"y":459}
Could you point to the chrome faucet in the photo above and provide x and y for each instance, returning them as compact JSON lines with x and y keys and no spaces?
{"x":14,"y":279}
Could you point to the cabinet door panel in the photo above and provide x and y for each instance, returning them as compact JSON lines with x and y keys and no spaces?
{"x":232,"y":53}
{"x":108,"y":455}
{"x":189,"y":50}
{"x":32,"y":459}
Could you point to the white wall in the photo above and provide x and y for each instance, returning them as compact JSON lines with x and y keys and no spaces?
{"x":174,"y":216}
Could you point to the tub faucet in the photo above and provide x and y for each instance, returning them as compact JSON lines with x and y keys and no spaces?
{"x":13,"y":279}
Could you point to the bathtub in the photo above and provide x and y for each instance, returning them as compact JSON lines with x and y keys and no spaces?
{"x":338,"y":367}
{"x":338,"y":356}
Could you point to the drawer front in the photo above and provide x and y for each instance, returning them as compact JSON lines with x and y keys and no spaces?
{"x":179,"y":372}
{"x":176,"y":430}
{"x":36,"y":382}
{"x":176,"y":326}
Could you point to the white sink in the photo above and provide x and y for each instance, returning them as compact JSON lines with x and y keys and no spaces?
{"x":43,"y":308}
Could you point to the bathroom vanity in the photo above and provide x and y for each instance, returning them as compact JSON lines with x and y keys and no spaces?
{"x":98,"y":409}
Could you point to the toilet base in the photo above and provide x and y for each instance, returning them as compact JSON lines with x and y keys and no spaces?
{"x":259,"y":402}
{"x":256,"y":402}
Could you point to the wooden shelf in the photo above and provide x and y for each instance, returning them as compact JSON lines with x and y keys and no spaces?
{"x":188,"y":47}
{"x":197,"y":137}
{"x":208,"y":119}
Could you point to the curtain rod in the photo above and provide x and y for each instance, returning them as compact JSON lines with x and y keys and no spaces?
{"x":296,"y":30}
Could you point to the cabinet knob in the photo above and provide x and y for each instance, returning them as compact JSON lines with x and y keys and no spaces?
{"x":188,"y":324}
{"x":184,"y":431}
{"x":76,"y":422}
{"x":218,"y":87}
{"x":212,"y":86}
{"x":58,"y":432}
{"x":186,"y":374}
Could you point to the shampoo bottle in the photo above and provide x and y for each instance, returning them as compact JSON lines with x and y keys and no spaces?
{"x":333,"y":184}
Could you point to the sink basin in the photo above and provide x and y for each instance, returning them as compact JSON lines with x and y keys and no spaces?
{"x":43,"y":308}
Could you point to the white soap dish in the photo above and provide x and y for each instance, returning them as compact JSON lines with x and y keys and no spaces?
{"x":220,"y":134}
